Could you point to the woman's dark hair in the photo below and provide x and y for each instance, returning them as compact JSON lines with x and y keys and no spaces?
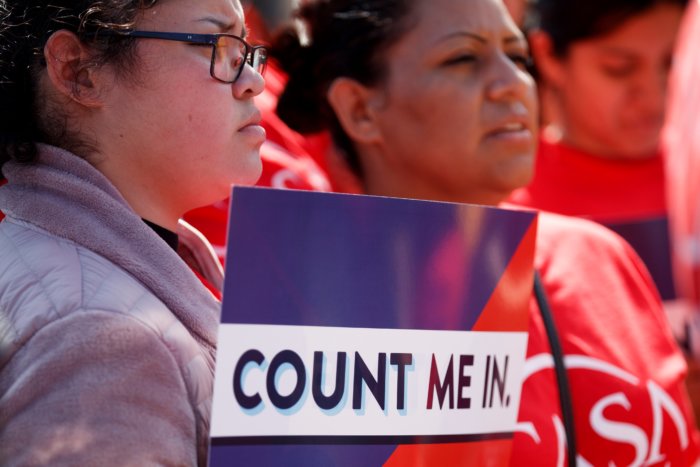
{"x":568,"y":21}
{"x":25,"y":27}
{"x":346,"y":38}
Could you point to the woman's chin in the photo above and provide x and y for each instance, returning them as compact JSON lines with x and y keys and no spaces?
{"x":249,"y":173}
{"x":519,"y":172}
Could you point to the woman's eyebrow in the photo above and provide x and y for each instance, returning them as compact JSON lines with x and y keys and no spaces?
{"x":224,"y":26}
{"x":468,"y":34}
{"x":515,"y":39}
{"x":618,"y":52}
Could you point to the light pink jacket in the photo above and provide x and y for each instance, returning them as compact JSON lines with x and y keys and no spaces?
{"x":106,"y":336}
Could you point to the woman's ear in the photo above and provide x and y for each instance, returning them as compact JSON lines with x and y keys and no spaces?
{"x":70,"y":68}
{"x":355,"y":107}
{"x":549,"y":65}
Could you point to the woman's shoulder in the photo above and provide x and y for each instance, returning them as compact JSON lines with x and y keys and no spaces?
{"x":45,"y":278}
{"x":586,"y":255}
{"x":558,"y":233}
{"x":590,"y":263}
{"x":39,"y":271}
{"x":59,"y":267}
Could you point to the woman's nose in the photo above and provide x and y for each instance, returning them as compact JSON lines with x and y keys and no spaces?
{"x":648,"y":91}
{"x":507,"y":80}
{"x":249,"y":84}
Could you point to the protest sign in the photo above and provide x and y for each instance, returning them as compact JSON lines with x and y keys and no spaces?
{"x":361,"y":330}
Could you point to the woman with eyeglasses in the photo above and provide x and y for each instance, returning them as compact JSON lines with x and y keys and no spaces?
{"x":117,"y":117}
{"x":431,"y":99}
{"x":288,"y":159}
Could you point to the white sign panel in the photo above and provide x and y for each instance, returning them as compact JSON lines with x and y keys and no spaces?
{"x":305,"y":381}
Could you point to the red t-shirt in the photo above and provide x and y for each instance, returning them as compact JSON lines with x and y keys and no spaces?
{"x":575,"y":183}
{"x":625,"y":196}
{"x":624,"y":369}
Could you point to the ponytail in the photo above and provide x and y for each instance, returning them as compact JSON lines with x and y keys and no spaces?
{"x":346,"y":38}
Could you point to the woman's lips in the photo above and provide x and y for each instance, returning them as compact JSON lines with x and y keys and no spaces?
{"x":515,"y":132}
{"x":253,"y":128}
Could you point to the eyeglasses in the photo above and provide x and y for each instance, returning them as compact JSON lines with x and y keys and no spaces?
{"x":229,"y":54}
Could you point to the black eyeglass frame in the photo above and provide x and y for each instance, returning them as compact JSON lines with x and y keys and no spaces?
{"x":198,"y":39}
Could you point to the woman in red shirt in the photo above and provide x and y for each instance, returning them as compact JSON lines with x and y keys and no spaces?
{"x":431,"y":99}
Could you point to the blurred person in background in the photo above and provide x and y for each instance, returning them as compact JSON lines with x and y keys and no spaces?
{"x":603,"y":67}
{"x":681,"y":144}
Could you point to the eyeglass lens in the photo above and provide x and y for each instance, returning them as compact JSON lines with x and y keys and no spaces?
{"x":259,"y":59}
{"x":229,"y":58}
